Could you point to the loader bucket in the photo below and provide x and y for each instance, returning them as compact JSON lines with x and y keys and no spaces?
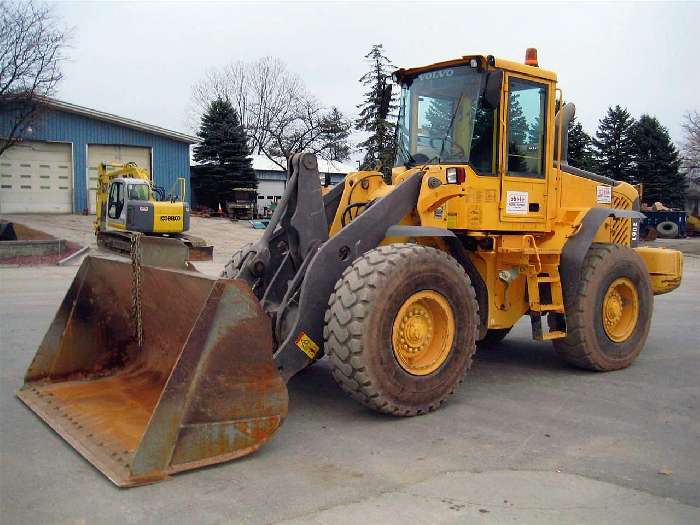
{"x":201,"y":389}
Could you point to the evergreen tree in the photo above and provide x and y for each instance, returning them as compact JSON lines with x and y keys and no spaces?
{"x":336,"y":134}
{"x":481,"y":154}
{"x":518,"y":131}
{"x":534,"y":131}
{"x":517,"y":123}
{"x":657,"y":163}
{"x":580,"y":152}
{"x":614,"y":151}
{"x":376,"y":111}
{"x":223,"y":156}
{"x":438,"y":117}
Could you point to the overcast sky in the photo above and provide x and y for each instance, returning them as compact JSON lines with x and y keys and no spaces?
{"x":139,"y":60}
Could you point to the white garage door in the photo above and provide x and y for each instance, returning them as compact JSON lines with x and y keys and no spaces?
{"x":98,"y":153}
{"x":36,"y":177}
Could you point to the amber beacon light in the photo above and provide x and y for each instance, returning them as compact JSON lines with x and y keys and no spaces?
{"x":531,"y":57}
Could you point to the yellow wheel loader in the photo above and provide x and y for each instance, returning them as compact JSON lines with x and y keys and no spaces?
{"x":149,"y":370}
{"x":127,"y":203}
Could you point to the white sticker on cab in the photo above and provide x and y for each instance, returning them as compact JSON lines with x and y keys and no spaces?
{"x":517,"y":202}
{"x":603,"y":195}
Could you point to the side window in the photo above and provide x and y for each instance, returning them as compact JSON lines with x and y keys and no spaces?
{"x":116,"y":200}
{"x":527,"y":103}
{"x":484,"y":152}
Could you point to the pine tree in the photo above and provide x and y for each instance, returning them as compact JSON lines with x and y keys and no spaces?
{"x":614,"y":151}
{"x":518,"y":131}
{"x":580,"y":152}
{"x":534,"y":131}
{"x":438,"y":117}
{"x":223,"y":156}
{"x":517,"y":123}
{"x":657,"y":163}
{"x":376,"y":112}
{"x":336,"y":134}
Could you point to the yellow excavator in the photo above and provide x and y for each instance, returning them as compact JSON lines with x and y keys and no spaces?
{"x":149,"y":370}
{"x":127,"y":203}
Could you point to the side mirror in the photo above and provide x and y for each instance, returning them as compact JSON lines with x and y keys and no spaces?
{"x":492,"y":91}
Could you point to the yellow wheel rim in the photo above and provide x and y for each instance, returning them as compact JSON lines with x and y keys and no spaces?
{"x":620,"y":309}
{"x":423,"y":332}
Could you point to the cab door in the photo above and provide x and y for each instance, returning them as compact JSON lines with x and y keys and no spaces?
{"x":116,"y":208}
{"x":523,"y":203}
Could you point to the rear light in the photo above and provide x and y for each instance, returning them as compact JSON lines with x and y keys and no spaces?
{"x":455,"y":175}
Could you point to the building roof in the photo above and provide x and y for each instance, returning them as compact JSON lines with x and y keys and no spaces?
{"x":115,"y":119}
{"x":262,"y":163}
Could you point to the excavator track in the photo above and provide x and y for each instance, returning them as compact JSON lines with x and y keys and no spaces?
{"x":120,"y":242}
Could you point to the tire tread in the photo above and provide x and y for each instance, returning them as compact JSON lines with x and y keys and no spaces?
{"x":354,"y":293}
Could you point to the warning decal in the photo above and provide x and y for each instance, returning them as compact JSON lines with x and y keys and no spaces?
{"x":517,"y":202}
{"x":306,"y":345}
{"x":603,"y":195}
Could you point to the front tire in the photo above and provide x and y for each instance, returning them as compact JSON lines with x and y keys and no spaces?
{"x":608,"y":319}
{"x":400,"y":328}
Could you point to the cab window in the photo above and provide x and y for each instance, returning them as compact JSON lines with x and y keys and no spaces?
{"x":484,"y":154}
{"x":116,"y":200}
{"x":138,"y":192}
{"x":527,"y":103}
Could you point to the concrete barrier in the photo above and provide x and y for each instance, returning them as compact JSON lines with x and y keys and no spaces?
{"x":9,"y":249}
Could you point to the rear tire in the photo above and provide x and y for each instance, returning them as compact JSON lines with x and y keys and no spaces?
{"x":371,"y":310}
{"x":493,"y":337}
{"x":604,"y":332}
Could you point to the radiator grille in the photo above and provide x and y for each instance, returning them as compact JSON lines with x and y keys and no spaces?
{"x":621,"y":228}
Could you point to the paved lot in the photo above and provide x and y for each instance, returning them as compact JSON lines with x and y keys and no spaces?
{"x":525,"y":438}
{"x":226,"y":236}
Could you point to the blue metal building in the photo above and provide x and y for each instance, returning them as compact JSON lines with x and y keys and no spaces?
{"x":54,"y":167}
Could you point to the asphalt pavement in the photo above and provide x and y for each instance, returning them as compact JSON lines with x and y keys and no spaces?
{"x":525,"y":439}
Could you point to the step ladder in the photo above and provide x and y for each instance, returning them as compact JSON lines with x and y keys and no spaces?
{"x":544,"y":284}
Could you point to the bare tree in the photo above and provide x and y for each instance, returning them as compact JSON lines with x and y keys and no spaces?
{"x":31,"y":52}
{"x":279,"y":115}
{"x":690,"y":149}
{"x":311,"y":128}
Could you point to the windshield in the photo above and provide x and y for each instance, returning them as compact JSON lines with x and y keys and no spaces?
{"x":138,"y":192}
{"x":437,"y":119}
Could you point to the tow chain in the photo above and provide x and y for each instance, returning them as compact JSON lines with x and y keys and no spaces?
{"x":136,"y":288}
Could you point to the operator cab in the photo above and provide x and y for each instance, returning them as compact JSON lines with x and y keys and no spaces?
{"x":123,"y":191}
{"x":484,"y":123}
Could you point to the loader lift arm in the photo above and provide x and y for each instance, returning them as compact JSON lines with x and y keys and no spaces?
{"x":294,"y":266}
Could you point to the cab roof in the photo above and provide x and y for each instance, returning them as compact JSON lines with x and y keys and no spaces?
{"x":488,"y":61}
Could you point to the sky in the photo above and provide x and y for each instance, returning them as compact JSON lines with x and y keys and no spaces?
{"x":140,"y":59}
